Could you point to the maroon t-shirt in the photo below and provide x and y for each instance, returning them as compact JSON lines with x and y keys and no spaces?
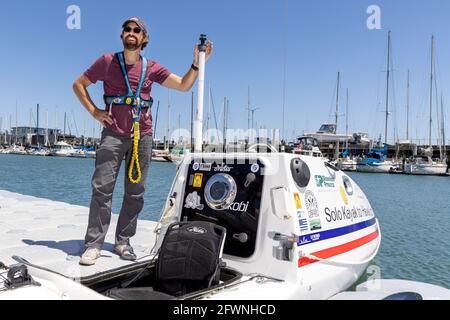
{"x":107,"y":69}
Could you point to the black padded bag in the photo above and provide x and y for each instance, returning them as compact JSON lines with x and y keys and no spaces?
{"x":190,"y":257}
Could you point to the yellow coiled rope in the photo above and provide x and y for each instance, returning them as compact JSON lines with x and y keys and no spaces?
{"x":135,"y":158}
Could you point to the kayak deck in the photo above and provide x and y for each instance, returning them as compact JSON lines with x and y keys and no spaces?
{"x":50,"y":234}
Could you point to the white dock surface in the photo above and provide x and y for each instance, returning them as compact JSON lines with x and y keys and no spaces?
{"x":51,"y":234}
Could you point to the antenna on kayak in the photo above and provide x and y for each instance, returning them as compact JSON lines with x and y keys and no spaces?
{"x":201,"y":86}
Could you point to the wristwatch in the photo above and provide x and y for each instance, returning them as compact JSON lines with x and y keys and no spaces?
{"x":194,"y":67}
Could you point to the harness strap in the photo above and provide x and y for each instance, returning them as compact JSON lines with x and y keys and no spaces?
{"x":134,"y":100}
{"x":121,"y":100}
{"x":121,"y":58}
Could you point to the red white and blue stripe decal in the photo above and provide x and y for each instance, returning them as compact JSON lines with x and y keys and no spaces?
{"x":334,"y":251}
{"x":328,"y":234}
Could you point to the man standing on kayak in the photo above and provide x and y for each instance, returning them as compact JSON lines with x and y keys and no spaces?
{"x":127,"y":80}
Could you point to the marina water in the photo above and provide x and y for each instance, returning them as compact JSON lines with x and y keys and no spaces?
{"x":414,"y":211}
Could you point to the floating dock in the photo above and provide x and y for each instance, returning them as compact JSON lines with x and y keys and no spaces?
{"x":50,"y":234}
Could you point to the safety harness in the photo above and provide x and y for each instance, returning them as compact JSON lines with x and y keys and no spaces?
{"x":136,"y":103}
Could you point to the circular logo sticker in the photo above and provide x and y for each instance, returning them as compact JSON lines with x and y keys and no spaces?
{"x":254,"y":168}
{"x":196,"y":166}
{"x":311,"y":205}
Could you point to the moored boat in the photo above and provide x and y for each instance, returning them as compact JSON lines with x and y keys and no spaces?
{"x":62,"y":149}
{"x":375,"y":161}
{"x":425,"y":167}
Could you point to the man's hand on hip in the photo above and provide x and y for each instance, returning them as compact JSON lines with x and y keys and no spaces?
{"x":103,"y":117}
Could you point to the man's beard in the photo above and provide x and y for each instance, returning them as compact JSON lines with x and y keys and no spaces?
{"x":131,"y":46}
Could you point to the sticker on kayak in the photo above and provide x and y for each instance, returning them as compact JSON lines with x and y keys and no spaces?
{"x":302,"y":221}
{"x":196,"y":166}
{"x":311,"y":205}
{"x":205,"y":166}
{"x":315,"y":224}
{"x":193,"y":201}
{"x":344,"y":195}
{"x":254,"y":168}
{"x":298,"y":202}
{"x":198,"y":180}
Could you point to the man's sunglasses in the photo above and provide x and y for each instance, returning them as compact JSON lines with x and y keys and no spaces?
{"x":135,"y":30}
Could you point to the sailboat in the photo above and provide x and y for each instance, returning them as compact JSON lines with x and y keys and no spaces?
{"x":375,"y":160}
{"x":425,"y":165}
{"x":328,"y":131}
{"x":346,"y":162}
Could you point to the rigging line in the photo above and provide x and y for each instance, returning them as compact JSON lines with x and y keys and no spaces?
{"x":381,"y":81}
{"x":156,"y":122}
{"x":332,"y":104}
{"x":422,"y":109}
{"x":436,"y":100}
{"x":439,"y":111}
{"x":75,"y":121}
{"x":376,"y":109}
{"x":440,"y":107}
{"x":394,"y":99}
{"x":214,"y":109}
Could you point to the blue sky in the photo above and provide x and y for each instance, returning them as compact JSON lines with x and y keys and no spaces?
{"x":41,"y":58}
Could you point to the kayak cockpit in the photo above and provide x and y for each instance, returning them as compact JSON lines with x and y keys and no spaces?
{"x":188,"y":263}
{"x":115,"y":284}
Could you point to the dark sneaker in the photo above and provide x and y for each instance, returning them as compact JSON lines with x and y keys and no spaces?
{"x":125,"y":252}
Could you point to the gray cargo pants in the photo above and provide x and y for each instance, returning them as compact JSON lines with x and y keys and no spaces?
{"x":112,"y":150}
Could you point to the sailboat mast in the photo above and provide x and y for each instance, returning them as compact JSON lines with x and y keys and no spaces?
{"x":443,"y":128}
{"x":156,"y":122}
{"x":224,"y":123}
{"x":15,"y":136}
{"x":407,"y":109}
{"x":56,"y":126}
{"x":431,"y":89}
{"x":37,"y":125}
{"x":168,"y":123}
{"x":209,"y":114}
{"x":10,"y":129}
{"x":337,"y":114}
{"x":248,"y":110}
{"x":65,"y":116}
{"x":46,"y":128}
{"x":387,"y":88}
{"x":346,"y":123}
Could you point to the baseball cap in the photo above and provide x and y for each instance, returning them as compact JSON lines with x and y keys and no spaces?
{"x":138,"y":21}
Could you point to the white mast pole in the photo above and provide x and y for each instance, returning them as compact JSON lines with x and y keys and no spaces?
{"x":387,"y":88}
{"x":201,"y":86}
{"x":407,"y":110}
{"x":337,"y":115}
{"x":346,"y":123}
{"x":431,"y":90}
{"x":444,"y":156}
{"x":46,"y":143}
